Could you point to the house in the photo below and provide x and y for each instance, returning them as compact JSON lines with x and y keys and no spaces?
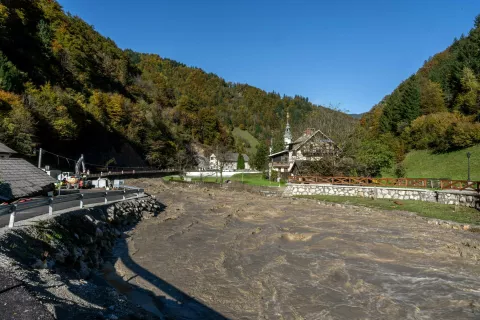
{"x":229,"y":160}
{"x":19,"y":178}
{"x":5,"y":152}
{"x":313,"y":145}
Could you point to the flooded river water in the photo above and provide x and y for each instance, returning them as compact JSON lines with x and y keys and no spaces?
{"x":221,"y":254}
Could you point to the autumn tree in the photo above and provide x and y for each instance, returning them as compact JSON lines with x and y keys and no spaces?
{"x":468,"y":99}
{"x":431,"y":97}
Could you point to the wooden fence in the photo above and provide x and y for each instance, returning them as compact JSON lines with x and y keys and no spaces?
{"x":390,"y":182}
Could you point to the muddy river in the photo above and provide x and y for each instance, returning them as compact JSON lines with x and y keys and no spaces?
{"x":226,"y":255}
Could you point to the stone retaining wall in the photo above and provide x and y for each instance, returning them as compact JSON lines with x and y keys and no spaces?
{"x":461,"y":198}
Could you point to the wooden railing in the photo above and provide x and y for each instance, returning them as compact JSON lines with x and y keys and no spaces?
{"x":460,"y":185}
{"x":389,"y":182}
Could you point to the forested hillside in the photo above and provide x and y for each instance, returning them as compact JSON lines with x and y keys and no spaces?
{"x":436,"y":109}
{"x":66,"y":88}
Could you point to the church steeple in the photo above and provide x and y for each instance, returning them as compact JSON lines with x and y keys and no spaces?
{"x":287,"y":137}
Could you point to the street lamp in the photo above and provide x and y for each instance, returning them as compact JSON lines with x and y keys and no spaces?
{"x":468,"y":157}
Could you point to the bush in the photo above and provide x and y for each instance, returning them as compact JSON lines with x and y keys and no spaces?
{"x":463,"y":134}
{"x":373,"y":156}
{"x":400,"y":171}
{"x":444,"y":131}
{"x":274,"y":175}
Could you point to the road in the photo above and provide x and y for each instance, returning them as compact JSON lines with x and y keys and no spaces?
{"x":33,"y":212}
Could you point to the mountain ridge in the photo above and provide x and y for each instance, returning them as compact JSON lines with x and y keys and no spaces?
{"x":63,"y":84}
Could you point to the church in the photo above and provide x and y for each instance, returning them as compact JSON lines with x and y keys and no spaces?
{"x":313,"y":145}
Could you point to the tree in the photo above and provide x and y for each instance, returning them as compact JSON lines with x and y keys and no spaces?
{"x":431,"y":97}
{"x":10,"y":77}
{"x":477,"y":21}
{"x":16,"y":123}
{"x":467,"y":100}
{"x":374,"y":156}
{"x":259,"y":160}
{"x":221,"y":153}
{"x":240,"y":162}
{"x":401,"y":107}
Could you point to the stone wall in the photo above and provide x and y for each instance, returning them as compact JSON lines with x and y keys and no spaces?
{"x":461,"y":198}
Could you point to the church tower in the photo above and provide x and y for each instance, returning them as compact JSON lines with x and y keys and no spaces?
{"x":287,"y":137}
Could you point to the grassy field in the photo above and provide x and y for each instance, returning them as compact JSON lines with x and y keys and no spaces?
{"x":425,"y":209}
{"x":254,"y":179}
{"x":452,"y":165}
{"x":238,"y":133}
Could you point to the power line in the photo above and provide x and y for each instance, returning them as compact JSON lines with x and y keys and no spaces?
{"x":91,"y":164}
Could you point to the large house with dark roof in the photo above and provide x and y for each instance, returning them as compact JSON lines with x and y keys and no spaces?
{"x":19,"y":178}
{"x":313,"y":145}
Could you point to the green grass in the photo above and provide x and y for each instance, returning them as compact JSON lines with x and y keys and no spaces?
{"x":424,"y":209}
{"x":245,"y":135}
{"x":452,"y":165}
{"x":254,"y":179}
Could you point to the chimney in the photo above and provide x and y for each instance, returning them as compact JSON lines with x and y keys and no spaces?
{"x":309,"y":131}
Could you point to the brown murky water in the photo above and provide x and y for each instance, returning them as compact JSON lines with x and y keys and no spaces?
{"x":243,"y":256}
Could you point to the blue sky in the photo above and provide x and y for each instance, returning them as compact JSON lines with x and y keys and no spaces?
{"x":345,"y":53}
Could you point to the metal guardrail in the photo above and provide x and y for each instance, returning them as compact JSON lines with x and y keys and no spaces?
{"x":13,"y":209}
{"x":133,"y":172}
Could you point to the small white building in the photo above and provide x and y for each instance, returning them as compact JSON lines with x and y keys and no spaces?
{"x":231,"y":159}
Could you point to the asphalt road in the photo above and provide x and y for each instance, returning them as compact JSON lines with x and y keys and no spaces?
{"x":33,"y":212}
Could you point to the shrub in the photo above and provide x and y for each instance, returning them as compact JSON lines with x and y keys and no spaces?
{"x":400,"y":170}
{"x":444,"y":131}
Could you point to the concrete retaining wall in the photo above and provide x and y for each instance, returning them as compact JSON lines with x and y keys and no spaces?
{"x":462,"y":198}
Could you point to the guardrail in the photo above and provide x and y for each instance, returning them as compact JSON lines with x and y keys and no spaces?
{"x":13,"y":209}
{"x":132,"y":172}
{"x":390,"y":182}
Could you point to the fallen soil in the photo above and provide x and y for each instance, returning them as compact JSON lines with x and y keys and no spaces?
{"x":222,"y":254}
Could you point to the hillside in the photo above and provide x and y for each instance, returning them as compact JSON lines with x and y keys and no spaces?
{"x":436,"y":109}
{"x":245,"y":139}
{"x":451,"y":165}
{"x":68,"y":89}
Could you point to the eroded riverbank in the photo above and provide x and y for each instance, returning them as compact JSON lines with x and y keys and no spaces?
{"x":215,"y":254}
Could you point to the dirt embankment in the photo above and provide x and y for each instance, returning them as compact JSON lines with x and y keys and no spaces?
{"x":59,"y":262}
{"x":221,"y":254}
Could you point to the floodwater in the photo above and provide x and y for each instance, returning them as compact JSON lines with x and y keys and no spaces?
{"x":222,"y":254}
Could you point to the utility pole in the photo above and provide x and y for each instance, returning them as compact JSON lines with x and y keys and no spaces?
{"x":468,"y":157}
{"x":40,"y":158}
{"x":216,"y":166}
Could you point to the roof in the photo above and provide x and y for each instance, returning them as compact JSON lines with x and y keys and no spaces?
{"x":5,"y":149}
{"x":21,"y":179}
{"x":277,"y":153}
{"x":297,"y":144}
